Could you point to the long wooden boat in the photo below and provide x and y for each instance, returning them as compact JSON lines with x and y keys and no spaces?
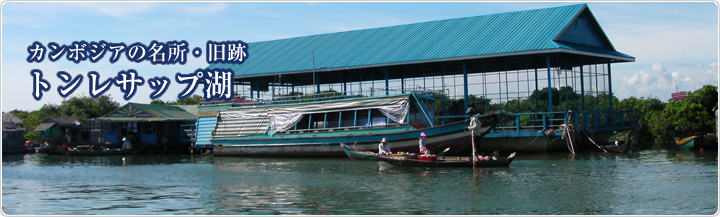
{"x":357,"y":154}
{"x":101,"y":152}
{"x":445,"y":161}
{"x":708,"y":141}
{"x":313,"y":129}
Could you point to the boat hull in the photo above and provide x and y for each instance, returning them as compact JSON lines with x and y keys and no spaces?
{"x":446,"y":161}
{"x":100,"y":153}
{"x":698,"y":142}
{"x":453,"y":136}
{"x":622,"y":148}
{"x":456,"y":139}
{"x":358,"y":155}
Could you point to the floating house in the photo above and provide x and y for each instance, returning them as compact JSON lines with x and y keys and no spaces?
{"x":13,"y":139}
{"x":551,"y":68}
{"x":160,"y":127}
{"x":55,"y":129}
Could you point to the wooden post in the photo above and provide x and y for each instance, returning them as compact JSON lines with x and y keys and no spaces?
{"x":473,"y":147}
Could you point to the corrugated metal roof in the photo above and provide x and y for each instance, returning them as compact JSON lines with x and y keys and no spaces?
{"x":44,"y":126}
{"x":136,"y":112}
{"x":468,"y":37}
{"x":63,"y":121}
{"x":165,"y":111}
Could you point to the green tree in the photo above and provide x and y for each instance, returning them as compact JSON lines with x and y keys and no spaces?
{"x":647,"y":109}
{"x":691,"y":115}
{"x":80,"y":107}
{"x":191,"y":100}
{"x":157,"y":102}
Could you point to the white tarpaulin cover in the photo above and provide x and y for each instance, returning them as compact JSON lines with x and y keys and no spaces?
{"x":238,"y":123}
{"x":282,"y":118}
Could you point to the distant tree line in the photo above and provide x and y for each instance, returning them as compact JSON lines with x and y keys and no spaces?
{"x":191,"y":100}
{"x":658,"y":121}
{"x":80,"y":107}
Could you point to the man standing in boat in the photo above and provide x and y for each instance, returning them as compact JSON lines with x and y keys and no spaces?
{"x":384,"y":147}
{"x":473,"y":120}
{"x":126,"y":144}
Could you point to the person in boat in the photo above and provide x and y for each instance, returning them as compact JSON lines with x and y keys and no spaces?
{"x":126,"y":144}
{"x":423,"y":144}
{"x":473,"y":120}
{"x":384,"y":147}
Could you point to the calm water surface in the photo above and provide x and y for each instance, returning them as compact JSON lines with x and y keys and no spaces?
{"x":667,"y":182}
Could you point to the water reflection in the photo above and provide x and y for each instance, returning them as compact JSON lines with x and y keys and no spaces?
{"x":644,"y":182}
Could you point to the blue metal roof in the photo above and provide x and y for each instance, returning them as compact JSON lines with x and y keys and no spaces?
{"x":532,"y":31}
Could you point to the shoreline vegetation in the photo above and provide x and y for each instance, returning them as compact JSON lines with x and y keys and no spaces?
{"x":659,"y":122}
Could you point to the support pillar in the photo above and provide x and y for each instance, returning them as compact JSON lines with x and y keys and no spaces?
{"x":549,"y":74}
{"x":387,"y":83}
{"x":465,"y":85}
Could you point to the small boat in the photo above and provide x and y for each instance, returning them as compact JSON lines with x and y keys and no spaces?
{"x":444,"y":161}
{"x":102,"y":152}
{"x":618,"y":143}
{"x":357,"y":154}
{"x":708,"y":141}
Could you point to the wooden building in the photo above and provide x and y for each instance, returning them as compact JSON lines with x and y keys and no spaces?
{"x":12,"y":137}
{"x":57,"y":128}
{"x":162,"y":128}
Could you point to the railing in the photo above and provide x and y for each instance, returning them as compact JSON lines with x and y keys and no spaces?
{"x":335,"y":129}
{"x":315,"y":97}
{"x":588,"y":120}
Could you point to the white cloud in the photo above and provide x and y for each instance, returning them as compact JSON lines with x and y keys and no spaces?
{"x":713,"y":68}
{"x":677,"y":76}
{"x":640,"y":77}
{"x":117,"y":9}
{"x":691,"y":65}
{"x":204,"y":8}
{"x":661,"y":42}
{"x":658,"y":67}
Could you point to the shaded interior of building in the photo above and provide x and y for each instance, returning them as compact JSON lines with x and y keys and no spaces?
{"x":518,"y":84}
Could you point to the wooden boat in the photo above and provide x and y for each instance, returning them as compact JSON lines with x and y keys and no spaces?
{"x":708,"y":141}
{"x":618,"y":143}
{"x":313,"y":129}
{"x":369,"y":155}
{"x":622,"y":147}
{"x":49,"y":150}
{"x":445,"y":161}
{"x":357,"y":154}
{"x":100,"y":152}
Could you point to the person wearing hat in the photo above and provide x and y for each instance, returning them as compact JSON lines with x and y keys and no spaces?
{"x":473,"y":120}
{"x":384,"y":147}
{"x":423,"y":144}
{"x":126,"y":144}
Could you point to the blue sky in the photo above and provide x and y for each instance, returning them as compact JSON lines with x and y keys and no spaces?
{"x":675,"y":44}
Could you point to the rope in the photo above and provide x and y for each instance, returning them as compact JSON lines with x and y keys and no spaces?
{"x":566,"y":131}
{"x":588,"y":136}
{"x":571,"y":146}
{"x":521,"y":147}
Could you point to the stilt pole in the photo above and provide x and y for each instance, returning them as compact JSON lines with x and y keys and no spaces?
{"x":473,"y":147}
